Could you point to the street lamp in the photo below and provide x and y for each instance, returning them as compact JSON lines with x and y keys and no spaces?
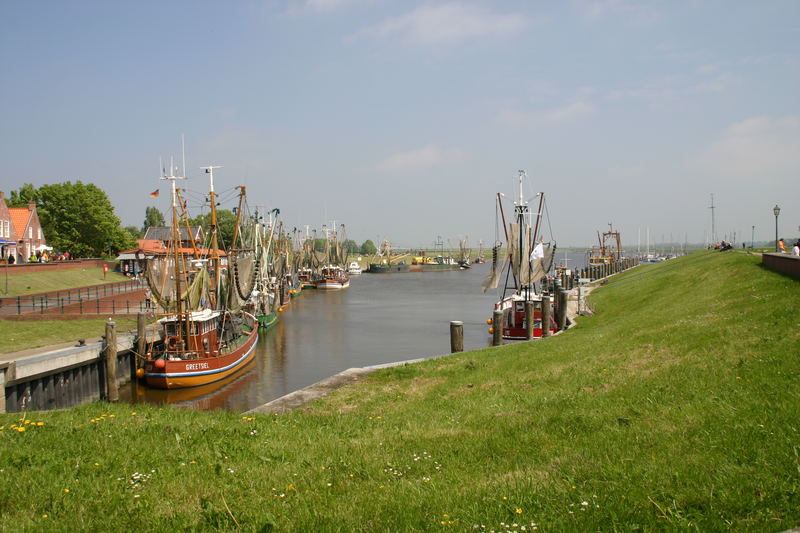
{"x":777,"y":211}
{"x":752,"y":238}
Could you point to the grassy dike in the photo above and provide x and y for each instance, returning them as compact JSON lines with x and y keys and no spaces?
{"x":675,"y":407}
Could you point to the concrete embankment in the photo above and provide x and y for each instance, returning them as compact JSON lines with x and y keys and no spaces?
{"x":61,"y":376}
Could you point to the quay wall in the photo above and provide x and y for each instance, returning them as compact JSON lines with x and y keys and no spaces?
{"x":784,"y":263}
{"x":63,"y":377}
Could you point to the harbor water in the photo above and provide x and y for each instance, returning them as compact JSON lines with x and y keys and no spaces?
{"x":380,"y":318}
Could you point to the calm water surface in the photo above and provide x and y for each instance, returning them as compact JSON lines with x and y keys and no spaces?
{"x":380,"y":318}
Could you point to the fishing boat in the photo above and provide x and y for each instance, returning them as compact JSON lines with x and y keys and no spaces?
{"x":608,"y":250}
{"x":264,"y":300}
{"x":384,"y":263}
{"x":206,"y":336}
{"x":333,"y":275}
{"x":525,"y":265}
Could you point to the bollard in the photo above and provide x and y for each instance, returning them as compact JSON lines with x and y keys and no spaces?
{"x":546,"y":313}
{"x":456,"y":336}
{"x":497,"y":325}
{"x":112,"y":388}
{"x":529,"y":319}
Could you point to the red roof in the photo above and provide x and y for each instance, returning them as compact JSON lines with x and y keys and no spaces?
{"x":19,"y":218}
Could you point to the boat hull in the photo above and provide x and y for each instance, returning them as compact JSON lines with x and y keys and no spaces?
{"x":330,"y":285}
{"x":267,"y":321}
{"x":375,"y":268}
{"x":178,"y":374}
{"x":514,"y":326}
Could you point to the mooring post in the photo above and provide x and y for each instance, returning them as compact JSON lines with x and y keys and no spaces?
{"x":141,"y":341}
{"x":557,"y":309}
{"x":497,"y":327}
{"x":112,"y":388}
{"x":456,"y":336}
{"x":546,"y":313}
{"x":563,"y":301}
{"x":529,"y":319}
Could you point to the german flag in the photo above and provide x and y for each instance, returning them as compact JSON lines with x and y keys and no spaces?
{"x":154,"y":194}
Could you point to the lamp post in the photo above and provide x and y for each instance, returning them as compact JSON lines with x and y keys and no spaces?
{"x":752,"y":238}
{"x":777,"y":211}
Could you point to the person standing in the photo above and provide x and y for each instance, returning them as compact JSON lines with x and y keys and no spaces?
{"x":796,"y":249}
{"x":781,"y":246}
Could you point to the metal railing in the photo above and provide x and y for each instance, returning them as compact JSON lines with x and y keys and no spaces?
{"x":82,"y":300}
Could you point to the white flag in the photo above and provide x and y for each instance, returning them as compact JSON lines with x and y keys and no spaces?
{"x":538,"y":252}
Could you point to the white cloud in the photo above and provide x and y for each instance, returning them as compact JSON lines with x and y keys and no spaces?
{"x":762,"y":149}
{"x":426,"y":157}
{"x":634,"y":10}
{"x":567,"y":113}
{"x":326,"y":5}
{"x":450,"y":22}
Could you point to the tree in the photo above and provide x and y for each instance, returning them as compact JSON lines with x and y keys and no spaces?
{"x":368,"y":248}
{"x":351,"y":246}
{"x":226,"y":224}
{"x":134,"y":232}
{"x":152,"y":218}
{"x":26,"y":194}
{"x":76,"y":217}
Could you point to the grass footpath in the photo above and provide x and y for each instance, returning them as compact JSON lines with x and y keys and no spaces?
{"x":22,"y":283}
{"x":674,"y":408}
{"x":21,"y":335}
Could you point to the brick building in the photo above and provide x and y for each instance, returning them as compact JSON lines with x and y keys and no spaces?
{"x":20,"y":231}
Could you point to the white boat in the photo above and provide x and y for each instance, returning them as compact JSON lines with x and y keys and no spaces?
{"x":354,"y":268}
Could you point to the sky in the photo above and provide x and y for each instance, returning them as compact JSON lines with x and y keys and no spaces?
{"x":403,"y":119}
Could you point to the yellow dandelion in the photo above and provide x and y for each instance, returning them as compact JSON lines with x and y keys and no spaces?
{"x":39,"y":423}
{"x":505,"y":498}
{"x":66,"y":491}
{"x":20,"y":429}
{"x":289,"y":487}
{"x":44,"y":516}
{"x":97,"y":464}
{"x":518,"y":511}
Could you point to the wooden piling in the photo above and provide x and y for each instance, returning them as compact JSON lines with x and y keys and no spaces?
{"x":456,"y":336}
{"x":563,"y":299}
{"x":497,"y":327}
{"x":529,"y":319}
{"x":112,"y":388}
{"x":546,"y":314}
{"x":141,"y":340}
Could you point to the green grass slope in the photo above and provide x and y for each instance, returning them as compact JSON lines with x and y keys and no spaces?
{"x":22,"y":283}
{"x":675,"y":407}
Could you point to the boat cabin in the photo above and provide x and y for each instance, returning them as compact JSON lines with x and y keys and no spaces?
{"x":201,"y":340}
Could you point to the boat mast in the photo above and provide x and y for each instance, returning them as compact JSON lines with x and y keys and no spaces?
{"x":176,"y":239}
{"x":214,"y":297}
{"x":521,"y":209}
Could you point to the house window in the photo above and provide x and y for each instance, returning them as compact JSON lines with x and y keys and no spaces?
{"x":30,"y":233}
{"x":6,"y":229}
{"x":39,"y":233}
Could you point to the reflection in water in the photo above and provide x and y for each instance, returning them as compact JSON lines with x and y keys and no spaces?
{"x":381,"y":318}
